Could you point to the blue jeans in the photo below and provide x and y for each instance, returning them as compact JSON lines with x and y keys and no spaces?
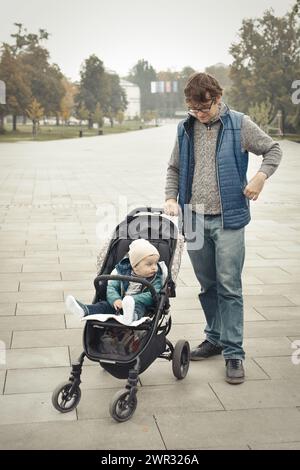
{"x":104,"y":307}
{"x":218,"y":267}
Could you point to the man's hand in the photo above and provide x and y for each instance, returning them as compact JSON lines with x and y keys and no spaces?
{"x":171,"y":207}
{"x":255,"y":186}
{"x":118,"y":304}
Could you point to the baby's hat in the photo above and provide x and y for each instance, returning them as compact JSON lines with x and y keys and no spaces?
{"x":140,"y":249}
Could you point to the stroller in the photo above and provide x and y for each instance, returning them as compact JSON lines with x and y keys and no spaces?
{"x":125,"y":351}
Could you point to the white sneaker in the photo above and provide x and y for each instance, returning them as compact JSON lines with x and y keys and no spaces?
{"x":74,"y":307}
{"x":128,"y":305}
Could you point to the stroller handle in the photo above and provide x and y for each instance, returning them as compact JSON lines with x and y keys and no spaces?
{"x":140,"y":280}
{"x":145,"y":209}
{"x":157,"y":210}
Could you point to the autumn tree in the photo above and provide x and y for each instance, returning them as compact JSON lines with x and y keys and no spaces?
{"x":18,"y":90}
{"x":25,"y":68}
{"x":67,"y":103}
{"x":35,"y":112}
{"x":266,"y":62}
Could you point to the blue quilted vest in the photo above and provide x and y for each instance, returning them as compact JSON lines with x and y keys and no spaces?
{"x":231,"y":165}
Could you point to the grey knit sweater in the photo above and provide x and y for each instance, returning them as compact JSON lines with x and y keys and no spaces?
{"x":205,"y":191}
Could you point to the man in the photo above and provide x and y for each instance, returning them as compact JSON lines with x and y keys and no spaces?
{"x":207,"y":173}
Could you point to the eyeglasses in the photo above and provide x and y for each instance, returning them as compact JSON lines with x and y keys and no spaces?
{"x":202,"y":110}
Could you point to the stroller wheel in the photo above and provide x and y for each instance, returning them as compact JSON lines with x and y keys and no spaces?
{"x":181,"y":359}
{"x":62,"y":400}
{"x":120,"y":408}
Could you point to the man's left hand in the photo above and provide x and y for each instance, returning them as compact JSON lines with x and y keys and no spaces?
{"x":255,"y":186}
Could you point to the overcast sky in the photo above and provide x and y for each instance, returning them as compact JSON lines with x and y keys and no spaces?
{"x":167,"y":33}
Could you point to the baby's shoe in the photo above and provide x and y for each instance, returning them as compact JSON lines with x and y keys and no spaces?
{"x":75,"y":307}
{"x":128,"y":309}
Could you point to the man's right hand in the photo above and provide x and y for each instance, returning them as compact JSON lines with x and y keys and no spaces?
{"x":171,"y":207}
{"x":118,"y":304}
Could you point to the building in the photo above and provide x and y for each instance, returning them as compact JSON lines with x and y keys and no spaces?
{"x":133,"y":96}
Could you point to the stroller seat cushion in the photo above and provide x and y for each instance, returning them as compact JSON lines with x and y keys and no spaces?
{"x":119,"y":318}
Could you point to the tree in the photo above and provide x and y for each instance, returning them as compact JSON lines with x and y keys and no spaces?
{"x":184,"y":75}
{"x":99,"y":87}
{"x":117,"y":97}
{"x":26,"y":70}
{"x":93,"y":87}
{"x":18,"y":92}
{"x":222,"y":73}
{"x":142,"y":74}
{"x":82,"y":113}
{"x":98,"y":116}
{"x":45,"y":79}
{"x":120,"y":117}
{"x":266,"y":62}
{"x":35,"y":112}
{"x":261,"y":113}
{"x":67,"y":103}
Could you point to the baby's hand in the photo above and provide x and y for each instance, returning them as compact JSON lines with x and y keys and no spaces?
{"x":118,"y":304}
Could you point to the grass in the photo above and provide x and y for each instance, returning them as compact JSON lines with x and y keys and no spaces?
{"x":24,"y":132}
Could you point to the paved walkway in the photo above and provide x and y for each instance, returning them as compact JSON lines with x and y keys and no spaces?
{"x":49,"y":195}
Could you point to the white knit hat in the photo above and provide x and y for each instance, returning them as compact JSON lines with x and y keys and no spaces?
{"x":140,"y":249}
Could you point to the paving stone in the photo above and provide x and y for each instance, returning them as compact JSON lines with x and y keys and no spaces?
{"x":267,"y":301}
{"x":279,"y":313}
{"x":9,"y":297}
{"x":85,"y":296}
{"x":272,"y":328}
{"x":45,"y":338}
{"x":259,"y":394}
{"x":31,"y":322}
{"x":210,"y":370}
{"x":36,"y":357}
{"x":41,"y":308}
{"x":151,"y":400}
{"x":6,"y":337}
{"x":54,"y":285}
{"x":269,"y":346}
{"x":47,"y":379}
{"x":31,"y":267}
{"x":7,"y":309}
{"x":276,"y":446}
{"x":271,"y":275}
{"x":52,"y":276}
{"x":294,"y":298}
{"x":82,"y":275}
{"x":35,"y":407}
{"x":84,"y":434}
{"x":73,"y":321}
{"x":279,"y":367}
{"x":221,"y":429}
{"x":10,"y":267}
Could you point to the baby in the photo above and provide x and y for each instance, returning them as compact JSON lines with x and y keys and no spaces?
{"x":131,"y":299}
